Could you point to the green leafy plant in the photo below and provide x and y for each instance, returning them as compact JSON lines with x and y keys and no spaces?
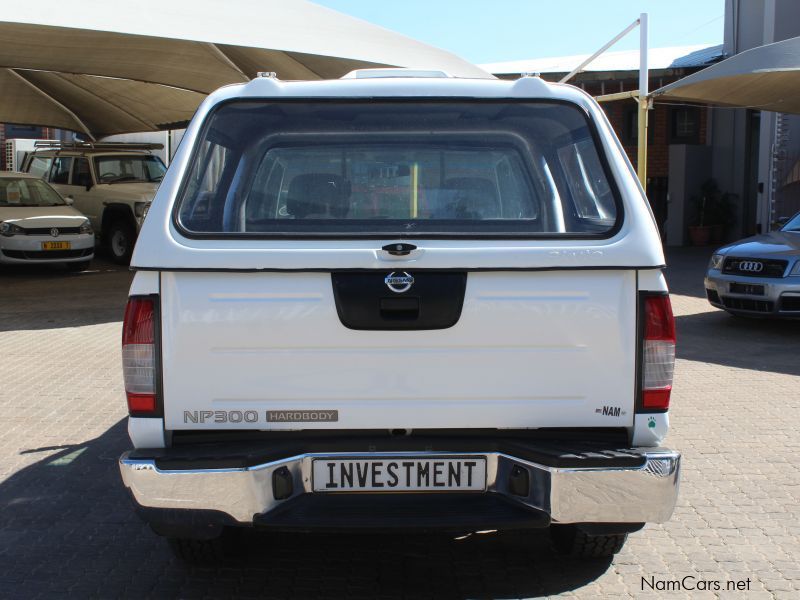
{"x":713,"y":207}
{"x":699,"y":211}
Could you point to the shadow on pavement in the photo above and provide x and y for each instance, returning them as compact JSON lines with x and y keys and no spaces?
{"x":67,"y":528}
{"x":50,"y":297}
{"x":716,"y":337}
{"x":747,"y":343}
{"x":686,"y":268}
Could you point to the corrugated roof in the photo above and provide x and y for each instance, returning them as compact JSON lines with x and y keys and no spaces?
{"x":676,"y":57}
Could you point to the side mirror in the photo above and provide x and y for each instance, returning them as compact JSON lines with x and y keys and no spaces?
{"x":88,"y":185}
{"x":783,"y":221}
{"x":69,"y":200}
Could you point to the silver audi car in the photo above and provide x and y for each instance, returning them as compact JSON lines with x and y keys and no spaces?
{"x":759,"y":275}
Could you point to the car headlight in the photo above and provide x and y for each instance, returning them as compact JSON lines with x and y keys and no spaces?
{"x":86,"y":227}
{"x":9,"y":229}
{"x":716,"y":262}
{"x":796,"y":268}
{"x":140,"y":209}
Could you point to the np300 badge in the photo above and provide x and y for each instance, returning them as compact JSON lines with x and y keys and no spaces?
{"x":399,"y":283}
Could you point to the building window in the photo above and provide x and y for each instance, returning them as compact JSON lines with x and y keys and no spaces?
{"x":23,"y":131}
{"x":685,"y":125}
{"x":632,"y":126}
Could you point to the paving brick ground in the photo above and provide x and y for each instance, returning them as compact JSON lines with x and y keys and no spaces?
{"x":66,"y":528}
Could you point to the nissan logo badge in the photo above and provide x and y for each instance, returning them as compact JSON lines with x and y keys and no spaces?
{"x":751,"y":266}
{"x":399,"y":283}
{"x":54,"y":232}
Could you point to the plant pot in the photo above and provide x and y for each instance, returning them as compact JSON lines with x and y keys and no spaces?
{"x":700,"y":235}
{"x":717,"y":233}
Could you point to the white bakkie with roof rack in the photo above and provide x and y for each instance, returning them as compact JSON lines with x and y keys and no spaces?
{"x":394,"y":302}
{"x":112,"y":183}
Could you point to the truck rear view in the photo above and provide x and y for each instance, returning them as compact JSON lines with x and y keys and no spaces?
{"x":400,"y":303}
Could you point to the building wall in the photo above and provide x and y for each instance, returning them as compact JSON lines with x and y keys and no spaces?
{"x":689,"y":168}
{"x":659,"y":134}
{"x":748,"y":24}
{"x":660,"y":122}
{"x":660,"y":137}
{"x":24,"y":132}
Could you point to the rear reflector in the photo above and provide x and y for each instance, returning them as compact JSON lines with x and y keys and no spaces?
{"x":139,"y":356}
{"x":659,"y":352}
{"x":141,"y":403}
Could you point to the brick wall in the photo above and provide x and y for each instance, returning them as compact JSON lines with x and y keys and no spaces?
{"x":658,"y":141}
{"x":623,"y":118}
{"x":659,"y":122}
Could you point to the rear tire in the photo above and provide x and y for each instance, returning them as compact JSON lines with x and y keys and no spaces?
{"x":77,"y":267}
{"x":571,"y":541}
{"x":120,"y":238}
{"x":198,"y":552}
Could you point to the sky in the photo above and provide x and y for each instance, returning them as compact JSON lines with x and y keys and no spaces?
{"x":487,"y":31}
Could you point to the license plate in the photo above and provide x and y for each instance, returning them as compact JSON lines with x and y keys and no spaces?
{"x":55,"y":245}
{"x":446,"y":474}
{"x":747,"y":288}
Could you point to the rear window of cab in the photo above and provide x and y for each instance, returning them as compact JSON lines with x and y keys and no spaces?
{"x":397,"y":168}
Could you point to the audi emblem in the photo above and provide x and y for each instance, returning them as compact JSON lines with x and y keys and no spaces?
{"x":54,"y":232}
{"x":751,"y":266}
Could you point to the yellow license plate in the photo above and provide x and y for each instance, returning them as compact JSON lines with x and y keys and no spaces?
{"x":55,"y":245}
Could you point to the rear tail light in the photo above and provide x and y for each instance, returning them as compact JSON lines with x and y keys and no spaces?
{"x":659,"y":352}
{"x":139,"y":355}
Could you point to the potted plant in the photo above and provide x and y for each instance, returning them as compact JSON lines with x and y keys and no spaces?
{"x":713,"y":214}
{"x":720,"y":210}
{"x":699,"y":230}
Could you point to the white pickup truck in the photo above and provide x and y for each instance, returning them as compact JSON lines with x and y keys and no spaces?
{"x":389,"y":302}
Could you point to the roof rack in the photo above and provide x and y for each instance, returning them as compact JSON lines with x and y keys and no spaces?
{"x":56,"y":145}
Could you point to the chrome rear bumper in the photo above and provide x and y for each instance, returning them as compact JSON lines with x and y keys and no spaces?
{"x":606,"y":494}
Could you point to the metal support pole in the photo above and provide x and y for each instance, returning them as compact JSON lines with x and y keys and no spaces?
{"x":641,"y":160}
{"x":613,"y":41}
{"x":632,"y":94}
{"x":643,"y":100}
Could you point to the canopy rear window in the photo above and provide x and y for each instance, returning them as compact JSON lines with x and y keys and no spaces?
{"x":397,"y":168}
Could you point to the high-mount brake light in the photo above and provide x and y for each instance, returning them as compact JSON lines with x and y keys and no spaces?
{"x":659,"y":352}
{"x":139,"y":355}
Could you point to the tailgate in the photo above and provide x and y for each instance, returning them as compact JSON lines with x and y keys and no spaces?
{"x":269,"y":350}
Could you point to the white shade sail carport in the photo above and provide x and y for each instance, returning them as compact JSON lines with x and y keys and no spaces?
{"x":763,"y":78}
{"x":64,"y":65}
{"x":95,"y":106}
